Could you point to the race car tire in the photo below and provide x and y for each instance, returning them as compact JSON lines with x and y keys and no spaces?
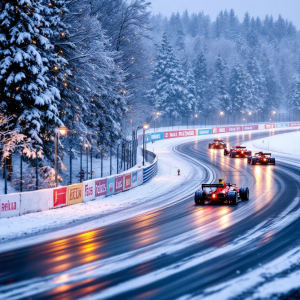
{"x":273,"y":161}
{"x":209,"y":146}
{"x":225,"y":152}
{"x":233,"y":197}
{"x":199,"y":197}
{"x":233,"y":154}
{"x":249,"y":159}
{"x":253,"y":161}
{"x":244,"y":193}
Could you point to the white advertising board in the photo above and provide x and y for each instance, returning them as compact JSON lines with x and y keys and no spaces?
{"x":36,"y":201}
{"x":10,"y":205}
{"x":89,"y":190}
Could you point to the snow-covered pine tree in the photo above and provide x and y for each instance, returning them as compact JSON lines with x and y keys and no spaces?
{"x":97,"y":87}
{"x":201,"y":76}
{"x":170,"y":94}
{"x":255,"y":102}
{"x":221,"y":98}
{"x":26,"y":90}
{"x":272,"y":88}
{"x":238,"y":91}
{"x":293,"y":97}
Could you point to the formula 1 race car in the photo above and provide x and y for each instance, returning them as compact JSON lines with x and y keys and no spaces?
{"x":261,"y":158}
{"x":221,"y":193}
{"x":238,"y":151}
{"x":217,"y":144}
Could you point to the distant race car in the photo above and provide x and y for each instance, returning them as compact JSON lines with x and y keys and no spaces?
{"x":262,"y":159}
{"x":237,"y":151}
{"x":221,"y":193}
{"x":217,"y":144}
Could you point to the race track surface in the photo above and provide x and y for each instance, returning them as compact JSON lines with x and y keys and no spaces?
{"x":180,"y":251}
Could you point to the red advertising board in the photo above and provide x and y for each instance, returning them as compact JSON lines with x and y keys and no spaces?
{"x":250,"y":127}
{"x":127,"y":181}
{"x":270,"y":126}
{"x":100,"y":188}
{"x":119,"y":184}
{"x":219,"y":130}
{"x":180,"y":133}
{"x":60,"y":197}
{"x":295,"y":124}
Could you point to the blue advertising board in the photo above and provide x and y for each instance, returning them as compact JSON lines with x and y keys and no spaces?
{"x":154,"y":136}
{"x":110,"y":186}
{"x":282,"y":125}
{"x":134,"y":179}
{"x":204,"y":131}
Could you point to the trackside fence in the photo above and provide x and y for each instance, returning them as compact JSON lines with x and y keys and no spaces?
{"x":18,"y":204}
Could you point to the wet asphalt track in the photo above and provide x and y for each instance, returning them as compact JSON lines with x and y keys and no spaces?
{"x":46,"y":271}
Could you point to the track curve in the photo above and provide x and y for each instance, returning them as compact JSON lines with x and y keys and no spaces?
{"x":181,"y":250}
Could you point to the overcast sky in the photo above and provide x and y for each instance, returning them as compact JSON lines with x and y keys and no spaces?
{"x":289,"y":9}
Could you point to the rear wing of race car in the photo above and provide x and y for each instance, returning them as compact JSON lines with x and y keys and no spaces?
{"x":240,"y":147}
{"x":216,"y":185}
{"x":259,"y":153}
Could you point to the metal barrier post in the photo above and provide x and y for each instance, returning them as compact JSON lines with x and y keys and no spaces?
{"x":5,"y":177}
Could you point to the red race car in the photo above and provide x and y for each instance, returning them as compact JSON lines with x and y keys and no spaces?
{"x":237,"y":151}
{"x":217,"y":144}
{"x":262,"y":159}
{"x":221,"y":193}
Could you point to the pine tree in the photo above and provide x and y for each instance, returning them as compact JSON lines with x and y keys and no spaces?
{"x":201,"y":78}
{"x":272,"y":89}
{"x":26,"y":89}
{"x":238,"y":90}
{"x":170,"y":94}
{"x":221,"y":98}
{"x":256,"y":87}
{"x":293,"y":98}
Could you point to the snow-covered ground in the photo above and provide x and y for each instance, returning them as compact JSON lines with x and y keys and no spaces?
{"x":286,"y":146}
{"x":91,"y":215}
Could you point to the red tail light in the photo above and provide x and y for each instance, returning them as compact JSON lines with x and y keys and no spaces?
{"x":242,"y":152}
{"x":214,"y":196}
{"x":265,"y":159}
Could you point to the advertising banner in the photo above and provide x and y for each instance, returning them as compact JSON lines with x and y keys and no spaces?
{"x":127,"y":182}
{"x":89,"y":190}
{"x":235,"y":128}
{"x":156,"y":136}
{"x":59,"y":197}
{"x":119,"y":184}
{"x":134,"y":180}
{"x":204,"y":131}
{"x":36,"y":201}
{"x":10,"y":205}
{"x":75,"y":193}
{"x":295,"y":124}
{"x":269,"y":126}
{"x":140,"y":177}
{"x":110,"y":186}
{"x":219,"y":130}
{"x":140,"y":140}
{"x":100,"y":188}
{"x":282,"y":125}
{"x":180,"y":133}
{"x":250,"y":127}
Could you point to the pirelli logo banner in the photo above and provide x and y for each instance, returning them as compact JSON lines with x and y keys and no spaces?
{"x":75,"y":194}
{"x":60,"y":197}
